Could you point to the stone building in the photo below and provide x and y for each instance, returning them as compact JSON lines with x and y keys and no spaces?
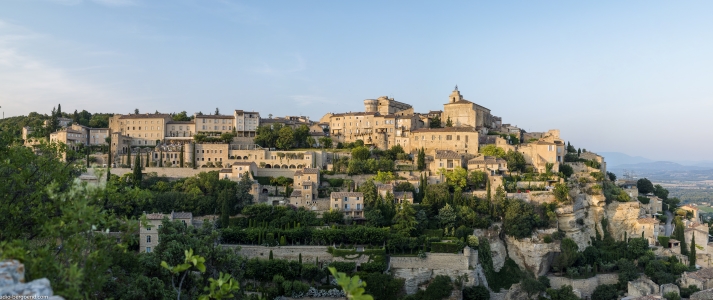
{"x":489,"y":164}
{"x":73,"y":138}
{"x":98,"y":136}
{"x":448,"y":160}
{"x":702,"y":278}
{"x":214,"y":125}
{"x":457,"y":139}
{"x":692,"y":209}
{"x":148,"y":233}
{"x":305,"y":194}
{"x":180,"y":130}
{"x":351,"y":203}
{"x":649,"y":227}
{"x":142,"y":129}
{"x":463,"y":113}
{"x":246,"y":123}
{"x":701,"y":234}
{"x":540,"y":153}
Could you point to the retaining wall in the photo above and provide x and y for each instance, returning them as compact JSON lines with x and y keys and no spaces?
{"x":585,"y":286}
{"x":309,"y":253}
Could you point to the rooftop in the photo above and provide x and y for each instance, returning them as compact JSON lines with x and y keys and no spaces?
{"x":346,"y":194}
{"x":647,"y":221}
{"x":702,"y":274}
{"x":445,"y":129}
{"x":145,"y":116}
{"x":447,"y":154}
{"x":296,"y":193}
{"x":215,"y":116}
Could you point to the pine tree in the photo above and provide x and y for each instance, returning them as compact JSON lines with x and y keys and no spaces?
{"x":449,"y":123}
{"x":692,"y":253}
{"x":137,"y":171}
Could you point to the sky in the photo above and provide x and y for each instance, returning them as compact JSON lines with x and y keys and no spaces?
{"x":617,"y":76}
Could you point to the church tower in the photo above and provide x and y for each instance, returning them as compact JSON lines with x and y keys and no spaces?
{"x":455,"y":96}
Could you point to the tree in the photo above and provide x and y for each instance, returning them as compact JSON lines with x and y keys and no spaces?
{"x":477,"y":292}
{"x":457,"y":178}
{"x":605,"y":292}
{"x":692,"y":253}
{"x":516,"y":161}
{"x":678,"y":233}
{"x":136,"y":111}
{"x":645,"y":186}
{"x":311,"y":142}
{"x":405,"y":219}
{"x":384,"y":177}
{"x":137,"y":171}
{"x":447,"y":216}
{"x":492,"y":150}
{"x":561,"y":192}
{"x":217,"y":111}
{"x":59,"y":110}
{"x":300,"y":135}
{"x":435,"y":122}
{"x":352,"y":287}
{"x":147,"y":159}
{"x":565,"y":292}
{"x":661,"y":192}
{"x":286,"y":138}
{"x":181,"y":157}
{"x":421,"y":159}
{"x":360,"y":153}
{"x":612,"y":176}
{"x":325,"y":142}
{"x":449,"y":123}
{"x":477,"y":178}
{"x":182,"y":116}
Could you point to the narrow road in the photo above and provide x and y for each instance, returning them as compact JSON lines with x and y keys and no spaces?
{"x":669,"y":219}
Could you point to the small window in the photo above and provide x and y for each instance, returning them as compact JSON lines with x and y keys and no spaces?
{"x":148,"y":239}
{"x":148,"y":249}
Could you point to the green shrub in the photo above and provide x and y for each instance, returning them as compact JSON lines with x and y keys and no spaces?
{"x":663,"y":241}
{"x":605,"y":292}
{"x":373,"y":267}
{"x":476,"y":293}
{"x":644,"y":200}
{"x":434,"y":233}
{"x":439,"y":247}
{"x":344,"y":267}
{"x":548,"y":239}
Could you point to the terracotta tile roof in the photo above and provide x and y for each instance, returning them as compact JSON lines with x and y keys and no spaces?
{"x":226,"y":170}
{"x":182,"y":215}
{"x":180,"y":122}
{"x":355,"y":114}
{"x":689,"y":207}
{"x":463,"y":101}
{"x":696,"y":229}
{"x":311,"y":171}
{"x":306,"y":182}
{"x":673,"y":241}
{"x":702,"y":274}
{"x":154,"y":216}
{"x":403,"y":195}
{"x":486,"y":160}
{"x":145,"y":116}
{"x":648,"y":297}
{"x":447,"y":154}
{"x":242,"y":163}
{"x":245,"y":112}
{"x":215,"y":117}
{"x":445,"y":129}
{"x":385,"y":187}
{"x":296,"y":193}
{"x":345,"y":194}
{"x":298,"y":173}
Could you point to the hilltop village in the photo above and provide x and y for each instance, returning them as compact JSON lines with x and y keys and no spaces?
{"x":447,"y":204}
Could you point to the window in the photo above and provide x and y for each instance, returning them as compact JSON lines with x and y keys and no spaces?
{"x":148,"y":249}
{"x":148,"y":239}
{"x":449,"y":137}
{"x":346,"y":199}
{"x":148,"y":228}
{"x":159,"y":226}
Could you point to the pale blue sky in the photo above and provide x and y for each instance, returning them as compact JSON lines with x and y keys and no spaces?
{"x":628,"y":76}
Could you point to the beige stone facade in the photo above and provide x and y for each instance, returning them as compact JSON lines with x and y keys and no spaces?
{"x":97,"y":136}
{"x":462,"y":112}
{"x":214,"y":125}
{"x":246,"y":123}
{"x":148,"y":233}
{"x":461,"y":140}
{"x":305,"y":194}
{"x":351,"y":203}
{"x":649,"y":227}
{"x":143,"y":129}
{"x":702,"y":278}
{"x":488,"y":164}
{"x":540,"y":153}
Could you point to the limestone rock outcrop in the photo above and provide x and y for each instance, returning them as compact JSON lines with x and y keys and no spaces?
{"x":12,"y":283}
{"x":668,"y":288}
{"x":642,"y":287}
{"x":532,"y":255}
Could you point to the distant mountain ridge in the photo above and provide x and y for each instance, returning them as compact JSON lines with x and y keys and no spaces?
{"x":657,"y":166}
{"x":615,"y":159}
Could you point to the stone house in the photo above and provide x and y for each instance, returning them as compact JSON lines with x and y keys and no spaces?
{"x":306,"y":183}
{"x":702,"y":278}
{"x":142,"y":129}
{"x":649,"y":227}
{"x":351,"y":203}
{"x":461,"y":140}
{"x":489,"y":164}
{"x":148,"y":233}
{"x":246,"y":123}
{"x":701,"y":235}
{"x":540,"y":153}
{"x":446,"y":159}
{"x":692,"y":209}
{"x":462,"y":112}
{"x":399,"y":197}
{"x":214,"y":125}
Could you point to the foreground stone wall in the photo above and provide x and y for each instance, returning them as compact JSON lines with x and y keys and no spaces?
{"x":584,"y":286}
{"x":173,"y":173}
{"x":13,"y":286}
{"x":432,"y":261}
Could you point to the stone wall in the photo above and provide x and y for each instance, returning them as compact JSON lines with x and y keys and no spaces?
{"x":432,"y":261}
{"x":263,"y":172}
{"x":584,"y":286}
{"x":173,"y":173}
{"x":13,"y":286}
{"x":309,"y":253}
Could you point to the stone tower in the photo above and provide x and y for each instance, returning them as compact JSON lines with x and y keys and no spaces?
{"x":371,"y":105}
{"x":455,"y":96}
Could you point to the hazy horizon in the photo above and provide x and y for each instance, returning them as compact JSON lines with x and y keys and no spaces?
{"x":628,"y":77}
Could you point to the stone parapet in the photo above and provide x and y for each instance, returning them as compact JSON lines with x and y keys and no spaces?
{"x":12,"y":283}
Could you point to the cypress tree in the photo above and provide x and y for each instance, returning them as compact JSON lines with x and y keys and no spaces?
{"x":300,"y":258}
{"x":160,"y":159}
{"x":181,"y":159}
{"x":692,"y":253}
{"x":87,"y":151}
{"x":147,"y":159}
{"x":108,"y":168}
{"x":270,"y":255}
{"x":128,"y":157}
{"x":194,"y":155}
{"x":137,"y":170}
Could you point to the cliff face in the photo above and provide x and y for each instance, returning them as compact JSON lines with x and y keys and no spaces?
{"x":532,"y":254}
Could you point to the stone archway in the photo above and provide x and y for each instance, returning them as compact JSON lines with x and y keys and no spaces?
{"x":268,"y":166}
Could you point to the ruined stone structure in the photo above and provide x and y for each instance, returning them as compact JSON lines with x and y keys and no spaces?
{"x":13,"y":286}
